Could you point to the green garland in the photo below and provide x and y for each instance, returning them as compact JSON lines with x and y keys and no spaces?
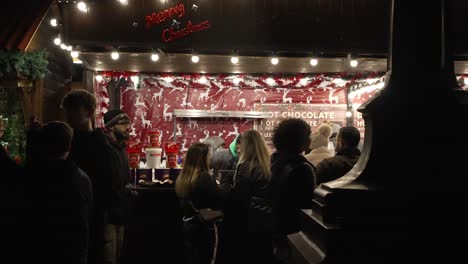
{"x":30,"y":65}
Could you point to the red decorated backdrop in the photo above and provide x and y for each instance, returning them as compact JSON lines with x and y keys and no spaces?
{"x":150,"y":100}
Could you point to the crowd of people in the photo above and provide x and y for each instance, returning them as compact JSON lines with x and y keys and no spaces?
{"x":263,"y":200}
{"x":70,"y":201}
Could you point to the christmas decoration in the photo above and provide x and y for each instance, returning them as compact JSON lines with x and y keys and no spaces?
{"x":14,"y":136}
{"x":151,"y":107}
{"x":28,"y":65}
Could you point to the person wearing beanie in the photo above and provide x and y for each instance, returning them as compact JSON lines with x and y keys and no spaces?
{"x":118,"y":130}
{"x":225,"y":159}
{"x":319,"y":145}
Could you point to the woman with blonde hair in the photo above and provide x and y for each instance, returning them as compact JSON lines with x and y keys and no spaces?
{"x":251,"y":190}
{"x":196,"y":190}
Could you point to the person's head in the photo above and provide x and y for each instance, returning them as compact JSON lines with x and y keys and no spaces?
{"x":254,"y":149}
{"x":80,"y":108}
{"x":196,"y":161}
{"x":348,"y":137}
{"x":118,"y":124}
{"x":57,"y":138}
{"x":292,"y":136}
{"x":320,"y":138}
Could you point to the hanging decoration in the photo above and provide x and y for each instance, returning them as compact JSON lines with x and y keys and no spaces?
{"x":151,"y":106}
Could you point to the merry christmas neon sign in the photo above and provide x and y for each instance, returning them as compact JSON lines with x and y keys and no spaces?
{"x":174,"y":32}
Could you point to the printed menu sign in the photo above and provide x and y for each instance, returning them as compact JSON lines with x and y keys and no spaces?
{"x":314,"y":115}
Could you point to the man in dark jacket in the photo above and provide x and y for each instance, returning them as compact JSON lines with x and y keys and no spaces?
{"x":61,"y":200}
{"x":92,"y":152}
{"x":347,"y":154}
{"x":292,"y":181}
{"x":118,"y":131}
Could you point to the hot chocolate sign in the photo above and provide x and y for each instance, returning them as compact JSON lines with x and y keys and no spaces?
{"x":171,"y":14}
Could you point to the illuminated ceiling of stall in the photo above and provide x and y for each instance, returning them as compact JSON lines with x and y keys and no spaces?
{"x":141,"y":62}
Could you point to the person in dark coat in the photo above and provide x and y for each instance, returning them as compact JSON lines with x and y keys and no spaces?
{"x":347,"y":154}
{"x":92,"y":152}
{"x":292,"y":181}
{"x":196,"y":190}
{"x":60,"y":200}
{"x":118,"y":130}
{"x":251,"y":188}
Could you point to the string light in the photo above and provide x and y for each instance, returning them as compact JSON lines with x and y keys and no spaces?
{"x":237,"y":80}
{"x":57,"y":41}
{"x":98,"y":77}
{"x":123,"y":2}
{"x":202,"y":80}
{"x":53,"y":22}
{"x":195,"y":59}
{"x":353,"y":63}
{"x":313,"y":62}
{"x":168,"y":79}
{"x":82,"y":6}
{"x":74,"y":54}
{"x":234,"y":60}
{"x":154,"y":57}
{"x":274,"y":60}
{"x":115,"y":55}
{"x":349,"y":114}
{"x":270,"y":81}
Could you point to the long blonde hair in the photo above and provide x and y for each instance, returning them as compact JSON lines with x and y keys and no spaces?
{"x":255,"y":150}
{"x":195,"y":162}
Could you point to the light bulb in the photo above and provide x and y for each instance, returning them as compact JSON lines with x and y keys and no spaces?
{"x":82,"y":6}
{"x":135,"y":79}
{"x":74,"y":54}
{"x":353,"y":63}
{"x":270,"y":81}
{"x":274,"y":60}
{"x":63,"y":46}
{"x":53,"y":22}
{"x":465,"y":81}
{"x":237,"y":80}
{"x":69,"y":48}
{"x":98,"y":77}
{"x":195,"y":59}
{"x":115,"y":55}
{"x":202,"y":79}
{"x":57,"y":41}
{"x":234,"y":60}
{"x":349,"y":114}
{"x":123,"y":2}
{"x":154,"y":57}
{"x":313,"y":62}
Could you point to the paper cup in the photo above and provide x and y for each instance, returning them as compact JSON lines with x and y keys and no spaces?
{"x":153,"y":157}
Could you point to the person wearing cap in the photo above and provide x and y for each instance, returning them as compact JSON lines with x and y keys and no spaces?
{"x":319,"y":144}
{"x":117,"y":125}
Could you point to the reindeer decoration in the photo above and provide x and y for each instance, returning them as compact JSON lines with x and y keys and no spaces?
{"x":165,"y":113}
